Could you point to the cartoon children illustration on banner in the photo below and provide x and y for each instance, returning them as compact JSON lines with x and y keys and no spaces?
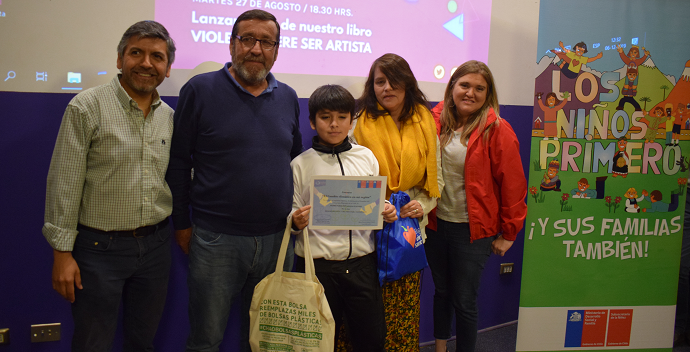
{"x":628,"y":122}
{"x":609,"y":162}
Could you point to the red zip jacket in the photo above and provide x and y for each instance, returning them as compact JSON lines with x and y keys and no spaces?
{"x":495,"y":184}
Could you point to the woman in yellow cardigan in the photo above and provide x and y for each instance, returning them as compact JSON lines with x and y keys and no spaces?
{"x":396,"y":124}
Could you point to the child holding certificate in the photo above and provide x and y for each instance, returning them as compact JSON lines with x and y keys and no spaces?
{"x":345,"y":261}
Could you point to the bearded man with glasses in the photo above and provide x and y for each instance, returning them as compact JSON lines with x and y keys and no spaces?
{"x":238,"y":129}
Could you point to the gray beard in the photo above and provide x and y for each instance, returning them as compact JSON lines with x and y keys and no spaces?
{"x":251,"y":78}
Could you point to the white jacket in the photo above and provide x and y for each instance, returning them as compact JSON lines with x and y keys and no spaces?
{"x":332,"y":244}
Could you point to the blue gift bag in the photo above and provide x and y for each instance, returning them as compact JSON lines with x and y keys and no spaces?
{"x":399,"y":245}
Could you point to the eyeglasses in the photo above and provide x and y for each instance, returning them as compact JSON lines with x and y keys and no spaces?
{"x":249,"y":42}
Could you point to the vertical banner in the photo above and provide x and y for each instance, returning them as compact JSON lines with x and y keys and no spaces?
{"x":609,"y":164}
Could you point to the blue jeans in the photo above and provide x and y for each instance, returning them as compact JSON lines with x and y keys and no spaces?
{"x":113,"y":269}
{"x":223,"y":267}
{"x":456,"y":267}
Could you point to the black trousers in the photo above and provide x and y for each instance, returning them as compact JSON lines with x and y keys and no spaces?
{"x":354,"y":295}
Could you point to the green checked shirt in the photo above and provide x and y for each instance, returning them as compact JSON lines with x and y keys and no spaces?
{"x":108,"y":166}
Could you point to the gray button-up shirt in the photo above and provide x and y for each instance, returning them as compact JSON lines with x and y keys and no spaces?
{"x":108,"y":166}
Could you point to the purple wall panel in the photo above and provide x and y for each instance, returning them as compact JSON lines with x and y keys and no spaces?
{"x":499,"y":296}
{"x":28,"y":126}
{"x":29,"y":123}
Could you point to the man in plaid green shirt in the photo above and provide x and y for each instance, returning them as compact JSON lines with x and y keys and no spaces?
{"x":107,"y":202}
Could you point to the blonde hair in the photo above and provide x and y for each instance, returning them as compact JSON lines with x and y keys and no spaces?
{"x":449,"y":115}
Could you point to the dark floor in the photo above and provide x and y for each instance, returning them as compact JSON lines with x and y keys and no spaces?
{"x":682,"y":347}
{"x":503,"y":340}
{"x":497,"y":340}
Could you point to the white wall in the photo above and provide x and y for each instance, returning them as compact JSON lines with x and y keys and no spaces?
{"x":513,"y":49}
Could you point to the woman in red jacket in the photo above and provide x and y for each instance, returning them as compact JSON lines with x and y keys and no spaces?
{"x":482,"y":206}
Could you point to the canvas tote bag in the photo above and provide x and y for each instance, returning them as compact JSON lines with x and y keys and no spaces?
{"x":289,"y":311}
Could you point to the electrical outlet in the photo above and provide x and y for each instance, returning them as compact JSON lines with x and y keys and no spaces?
{"x":4,"y":336}
{"x":506,"y":268}
{"x":45,"y":332}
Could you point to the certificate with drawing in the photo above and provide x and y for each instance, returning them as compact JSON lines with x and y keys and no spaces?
{"x":347,"y":202}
